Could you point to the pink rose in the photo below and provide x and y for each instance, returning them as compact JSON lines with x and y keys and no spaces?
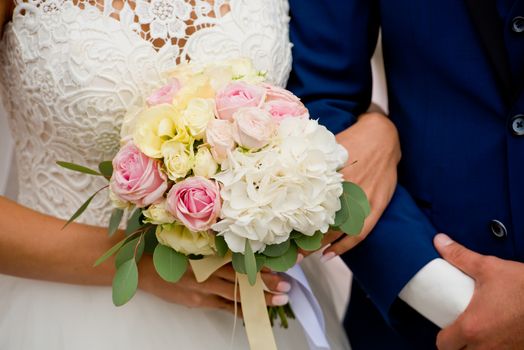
{"x":137,"y":178}
{"x":282,"y":109}
{"x":277,"y":93}
{"x":195,"y":202}
{"x":253,"y":127}
{"x":219,"y":135}
{"x":165,"y":94}
{"x":238,"y":95}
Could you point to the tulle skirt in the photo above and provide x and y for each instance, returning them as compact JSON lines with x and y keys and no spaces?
{"x":45,"y":315}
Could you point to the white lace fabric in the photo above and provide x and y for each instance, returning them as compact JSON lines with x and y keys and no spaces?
{"x":70,"y":70}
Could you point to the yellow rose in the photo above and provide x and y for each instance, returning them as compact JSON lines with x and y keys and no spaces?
{"x":197,"y":115}
{"x":204,"y":165}
{"x":178,"y":159}
{"x":184,"y":241}
{"x":197,"y":86}
{"x":154,"y":126}
{"x":157,"y":214}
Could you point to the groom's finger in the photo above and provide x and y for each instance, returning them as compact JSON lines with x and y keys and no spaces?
{"x":451,"y":338}
{"x":464,"y":259}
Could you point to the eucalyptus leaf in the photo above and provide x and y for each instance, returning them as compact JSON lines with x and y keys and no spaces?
{"x":169,"y":264}
{"x":133,"y":248}
{"x":238,"y":263}
{"x":80,"y":210}
{"x":250,"y":264}
{"x":357,"y":194}
{"x":125,"y":282}
{"x":78,"y":168}
{"x":134,"y":222}
{"x":353,"y":226}
{"x":106,"y":169}
{"x":309,"y":243}
{"x":343,"y":214}
{"x":284,"y":262}
{"x":275,"y":250}
{"x":261,"y":261}
{"x":110,"y":252}
{"x":221,"y":246}
{"x":150,"y":240}
{"x":114,"y":221}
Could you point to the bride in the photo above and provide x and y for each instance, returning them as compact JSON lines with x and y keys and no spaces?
{"x":69,"y":71}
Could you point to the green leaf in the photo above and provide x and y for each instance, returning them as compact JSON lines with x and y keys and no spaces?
{"x":106,"y":169}
{"x":133,"y":248}
{"x":250,"y":263}
{"x":238,"y":263}
{"x":261,"y":261}
{"x":110,"y":252}
{"x":78,"y":168}
{"x":125,"y":282}
{"x":343,"y":214}
{"x":114,"y":221}
{"x":353,"y":226}
{"x":80,"y":210}
{"x":276,"y":250}
{"x":134,"y":222}
{"x":357,"y":194}
{"x":169,"y":264}
{"x":284,"y":262}
{"x":310,"y":243}
{"x":221,"y":246}
{"x":150,"y":240}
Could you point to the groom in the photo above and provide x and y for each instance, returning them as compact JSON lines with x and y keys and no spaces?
{"x":455,"y":72}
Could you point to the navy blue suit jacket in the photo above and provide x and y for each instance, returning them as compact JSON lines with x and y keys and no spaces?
{"x":454,"y":70}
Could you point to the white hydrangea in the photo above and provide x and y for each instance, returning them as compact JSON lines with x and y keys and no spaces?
{"x":292,"y":184}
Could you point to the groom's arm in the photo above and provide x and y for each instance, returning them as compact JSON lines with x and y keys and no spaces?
{"x":333,"y":43}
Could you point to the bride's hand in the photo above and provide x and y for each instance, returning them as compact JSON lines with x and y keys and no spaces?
{"x":218,"y":292}
{"x":373,"y":143}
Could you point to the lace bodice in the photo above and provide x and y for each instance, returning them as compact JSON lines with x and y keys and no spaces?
{"x":71,"y":69}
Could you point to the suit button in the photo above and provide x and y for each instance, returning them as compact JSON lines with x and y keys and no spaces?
{"x":518,"y":24}
{"x":517,"y":125}
{"x":498,"y":229}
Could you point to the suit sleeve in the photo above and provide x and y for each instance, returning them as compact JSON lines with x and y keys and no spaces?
{"x":333,"y":43}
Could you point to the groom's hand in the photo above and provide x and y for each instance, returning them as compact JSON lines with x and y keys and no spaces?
{"x":494,"y":319}
{"x":374,"y":152}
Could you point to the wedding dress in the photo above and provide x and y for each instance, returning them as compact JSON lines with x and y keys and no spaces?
{"x":69,"y":72}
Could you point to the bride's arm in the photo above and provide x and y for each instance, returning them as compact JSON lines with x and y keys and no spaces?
{"x":33,"y":245}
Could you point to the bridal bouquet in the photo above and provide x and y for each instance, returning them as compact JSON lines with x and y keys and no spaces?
{"x":220,"y":164}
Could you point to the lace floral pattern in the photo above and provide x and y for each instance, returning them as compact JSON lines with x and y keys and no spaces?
{"x":70,"y":70}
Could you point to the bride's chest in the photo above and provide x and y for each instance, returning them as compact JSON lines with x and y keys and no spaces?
{"x":82,"y":68}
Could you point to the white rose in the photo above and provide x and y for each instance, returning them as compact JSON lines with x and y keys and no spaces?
{"x":204,"y":164}
{"x":197,"y":115}
{"x":219,"y":135}
{"x":157,"y":214}
{"x":177,"y":159}
{"x":184,"y":241}
{"x":252,"y":127}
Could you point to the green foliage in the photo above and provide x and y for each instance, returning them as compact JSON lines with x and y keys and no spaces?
{"x":78,"y":168}
{"x":110,"y":252}
{"x":310,"y":243}
{"x":150,"y":240}
{"x":125,"y":282}
{"x":106,"y":169}
{"x":355,"y":202}
{"x":250,"y":264}
{"x":284,"y":262}
{"x":238,"y":263}
{"x":276,"y":250}
{"x":134,"y":222}
{"x":114,"y":221}
{"x":132,"y":249}
{"x":169,"y":264}
{"x":221,"y":246}
{"x":82,"y":208}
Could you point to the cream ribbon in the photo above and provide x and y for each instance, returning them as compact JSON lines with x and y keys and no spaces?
{"x":256,"y":319}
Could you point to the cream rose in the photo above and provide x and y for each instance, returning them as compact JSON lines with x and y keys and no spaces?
{"x":253,"y":127}
{"x":204,"y":164}
{"x":197,"y":115}
{"x":178,"y":159}
{"x":154,"y":125}
{"x":185,"y":241}
{"x":157,"y":214}
{"x":219,"y":135}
